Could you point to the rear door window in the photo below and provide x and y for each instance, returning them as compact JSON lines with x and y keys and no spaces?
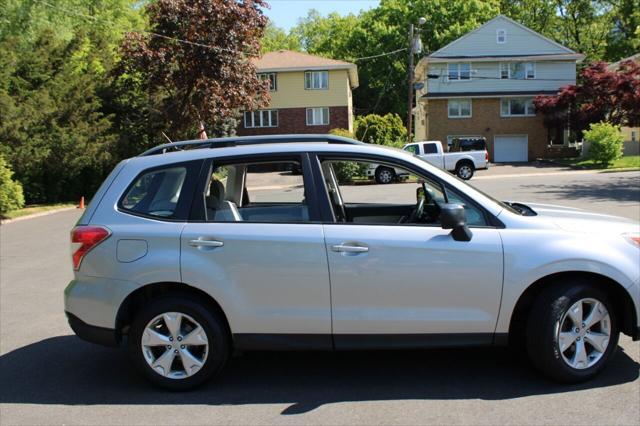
{"x":430,"y":148}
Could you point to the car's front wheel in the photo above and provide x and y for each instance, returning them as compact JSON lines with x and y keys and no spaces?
{"x":177,"y":343}
{"x":571,"y":332}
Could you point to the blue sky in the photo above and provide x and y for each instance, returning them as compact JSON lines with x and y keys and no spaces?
{"x":285,"y":13}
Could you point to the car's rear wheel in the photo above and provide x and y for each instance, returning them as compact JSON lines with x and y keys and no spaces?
{"x":465,"y":170}
{"x":385,"y":175}
{"x":177,"y":343}
{"x":571,"y":332}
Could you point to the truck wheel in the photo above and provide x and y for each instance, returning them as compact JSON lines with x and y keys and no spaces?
{"x":177,"y":343}
{"x":465,"y":170}
{"x":385,"y":175}
{"x":572,"y":331}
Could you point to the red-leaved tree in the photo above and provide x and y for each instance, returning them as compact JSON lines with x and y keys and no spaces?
{"x":601,"y":94}
{"x":195,"y":61}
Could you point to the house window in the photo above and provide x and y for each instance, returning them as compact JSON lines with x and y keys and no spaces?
{"x":262,"y":118}
{"x":317,"y":116}
{"x":504,"y":70}
{"x":517,"y":70}
{"x":316,"y":80}
{"x":459,"y":108}
{"x":459,"y":71}
{"x":501,"y":36}
{"x":634,"y":136}
{"x":514,"y":107}
{"x":273,"y":81}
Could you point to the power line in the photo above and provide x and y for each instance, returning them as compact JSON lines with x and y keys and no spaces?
{"x":380,"y":55}
{"x":443,"y":76}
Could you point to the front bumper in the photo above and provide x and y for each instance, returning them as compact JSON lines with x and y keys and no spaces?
{"x":91,"y":333}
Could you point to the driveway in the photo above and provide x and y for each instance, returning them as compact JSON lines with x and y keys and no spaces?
{"x":48,"y":376}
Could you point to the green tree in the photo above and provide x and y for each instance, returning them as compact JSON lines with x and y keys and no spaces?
{"x":55,"y":59}
{"x":605,"y":143}
{"x":11,"y":197}
{"x":275,"y":38}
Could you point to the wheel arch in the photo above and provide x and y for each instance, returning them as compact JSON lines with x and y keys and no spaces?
{"x":143,"y":295}
{"x":622,"y":301}
{"x":465,"y":160}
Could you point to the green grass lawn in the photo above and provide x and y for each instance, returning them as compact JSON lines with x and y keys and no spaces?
{"x":36,"y":208}
{"x":627,"y":162}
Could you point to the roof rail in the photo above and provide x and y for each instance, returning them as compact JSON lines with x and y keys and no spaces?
{"x":247,"y":140}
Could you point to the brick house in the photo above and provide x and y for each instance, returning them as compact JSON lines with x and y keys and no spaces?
{"x":309,"y":94}
{"x":483,"y":85}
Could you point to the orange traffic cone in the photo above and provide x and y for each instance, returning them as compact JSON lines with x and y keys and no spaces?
{"x":81,"y":206}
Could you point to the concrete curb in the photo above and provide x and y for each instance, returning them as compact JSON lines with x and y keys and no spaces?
{"x":33,"y":216}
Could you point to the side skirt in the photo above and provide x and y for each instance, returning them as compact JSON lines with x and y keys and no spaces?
{"x":314,"y":342}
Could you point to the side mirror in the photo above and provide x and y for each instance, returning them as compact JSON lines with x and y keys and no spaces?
{"x":454,"y":216}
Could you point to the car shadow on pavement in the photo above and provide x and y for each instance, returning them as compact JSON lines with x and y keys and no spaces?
{"x":66,"y":370}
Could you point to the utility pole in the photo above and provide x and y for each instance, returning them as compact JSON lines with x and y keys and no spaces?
{"x":410,"y":85}
{"x":415,"y":46}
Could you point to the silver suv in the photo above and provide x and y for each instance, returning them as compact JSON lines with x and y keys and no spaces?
{"x":195,"y":249}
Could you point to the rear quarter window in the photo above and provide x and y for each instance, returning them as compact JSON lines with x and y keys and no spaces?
{"x":161,"y":192}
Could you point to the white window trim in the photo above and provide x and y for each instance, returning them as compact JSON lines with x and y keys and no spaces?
{"x":504,"y":32}
{"x":315,"y":88}
{"x":458,"y":72}
{"x":508,"y":64}
{"x":306,"y":114}
{"x":253,"y":126}
{"x":515,"y":115}
{"x":275,"y":79}
{"x":460,"y":109}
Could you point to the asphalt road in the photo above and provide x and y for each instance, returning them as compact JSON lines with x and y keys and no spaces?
{"x":48,"y":376}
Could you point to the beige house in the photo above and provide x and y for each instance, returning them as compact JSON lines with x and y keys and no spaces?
{"x":483,"y":85}
{"x":309,"y":94}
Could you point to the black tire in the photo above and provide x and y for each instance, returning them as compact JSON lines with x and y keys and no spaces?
{"x":465,"y":170}
{"x":211,"y":323}
{"x":385,"y":175}
{"x":542,"y":330}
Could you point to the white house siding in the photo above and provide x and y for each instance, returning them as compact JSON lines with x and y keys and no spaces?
{"x":482,"y":42}
{"x":549,"y":76}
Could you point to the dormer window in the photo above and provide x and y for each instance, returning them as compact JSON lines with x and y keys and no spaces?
{"x":501,"y":36}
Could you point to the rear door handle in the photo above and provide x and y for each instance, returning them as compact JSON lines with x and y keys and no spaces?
{"x":349,"y":248}
{"x":205,"y":243}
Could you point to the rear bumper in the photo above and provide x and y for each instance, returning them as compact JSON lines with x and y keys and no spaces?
{"x":91,"y":333}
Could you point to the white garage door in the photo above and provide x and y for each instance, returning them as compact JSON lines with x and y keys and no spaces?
{"x":510,"y":148}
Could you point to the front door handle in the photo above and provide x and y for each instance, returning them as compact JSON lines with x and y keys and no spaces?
{"x":350,"y":248}
{"x":205,"y":243}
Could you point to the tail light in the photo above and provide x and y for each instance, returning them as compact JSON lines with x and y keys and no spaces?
{"x":85,"y":238}
{"x":486,"y":156}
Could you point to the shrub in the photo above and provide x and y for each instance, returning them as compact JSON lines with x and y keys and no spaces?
{"x":11,"y":197}
{"x":605,"y":143}
{"x":381,"y":129}
{"x":342,"y":132}
{"x":347,"y":170}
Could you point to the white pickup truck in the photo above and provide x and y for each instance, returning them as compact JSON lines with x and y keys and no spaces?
{"x":462,"y":163}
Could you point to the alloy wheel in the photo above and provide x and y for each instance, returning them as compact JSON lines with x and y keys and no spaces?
{"x":174,"y":345}
{"x":584,"y":333}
